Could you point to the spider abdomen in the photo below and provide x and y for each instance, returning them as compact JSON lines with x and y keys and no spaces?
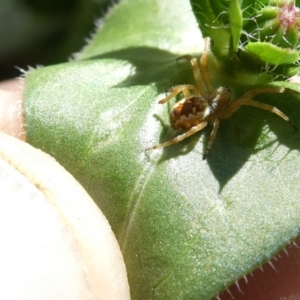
{"x":189,"y":112}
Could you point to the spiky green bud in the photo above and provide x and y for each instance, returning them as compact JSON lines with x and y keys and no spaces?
{"x":276,"y":26}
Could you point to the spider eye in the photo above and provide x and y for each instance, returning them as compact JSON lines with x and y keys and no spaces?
{"x":175,"y":113}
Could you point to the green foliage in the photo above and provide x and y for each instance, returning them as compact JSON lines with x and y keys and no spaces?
{"x":236,"y":22}
{"x":272,"y":54}
{"x":187,"y":228}
{"x":252,"y":36}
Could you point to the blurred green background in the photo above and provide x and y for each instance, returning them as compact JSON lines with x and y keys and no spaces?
{"x":44,"y":32}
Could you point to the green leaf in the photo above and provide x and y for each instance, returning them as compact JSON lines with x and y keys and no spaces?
{"x":236,"y":22}
{"x":212,"y":17}
{"x":187,"y":228}
{"x":272,"y":54}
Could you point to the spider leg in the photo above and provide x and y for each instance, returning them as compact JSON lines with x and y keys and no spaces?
{"x":180,"y":137}
{"x":212,"y":137}
{"x":253,"y":93}
{"x":197,"y":75}
{"x":175,"y":90}
{"x":203,"y":66}
{"x":246,"y":100}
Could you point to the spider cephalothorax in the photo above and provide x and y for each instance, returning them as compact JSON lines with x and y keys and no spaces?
{"x":202,"y":104}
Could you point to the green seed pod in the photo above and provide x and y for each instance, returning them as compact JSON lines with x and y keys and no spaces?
{"x":254,"y":25}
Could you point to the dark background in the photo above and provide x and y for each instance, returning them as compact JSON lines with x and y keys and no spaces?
{"x":44,"y":32}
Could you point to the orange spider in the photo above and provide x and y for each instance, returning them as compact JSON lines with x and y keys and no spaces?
{"x":202,"y":104}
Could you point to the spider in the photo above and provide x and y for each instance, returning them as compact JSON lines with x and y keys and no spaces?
{"x":202,"y":104}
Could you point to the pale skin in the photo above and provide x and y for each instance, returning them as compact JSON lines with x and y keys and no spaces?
{"x":218,"y":100}
{"x":11,"y":108}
